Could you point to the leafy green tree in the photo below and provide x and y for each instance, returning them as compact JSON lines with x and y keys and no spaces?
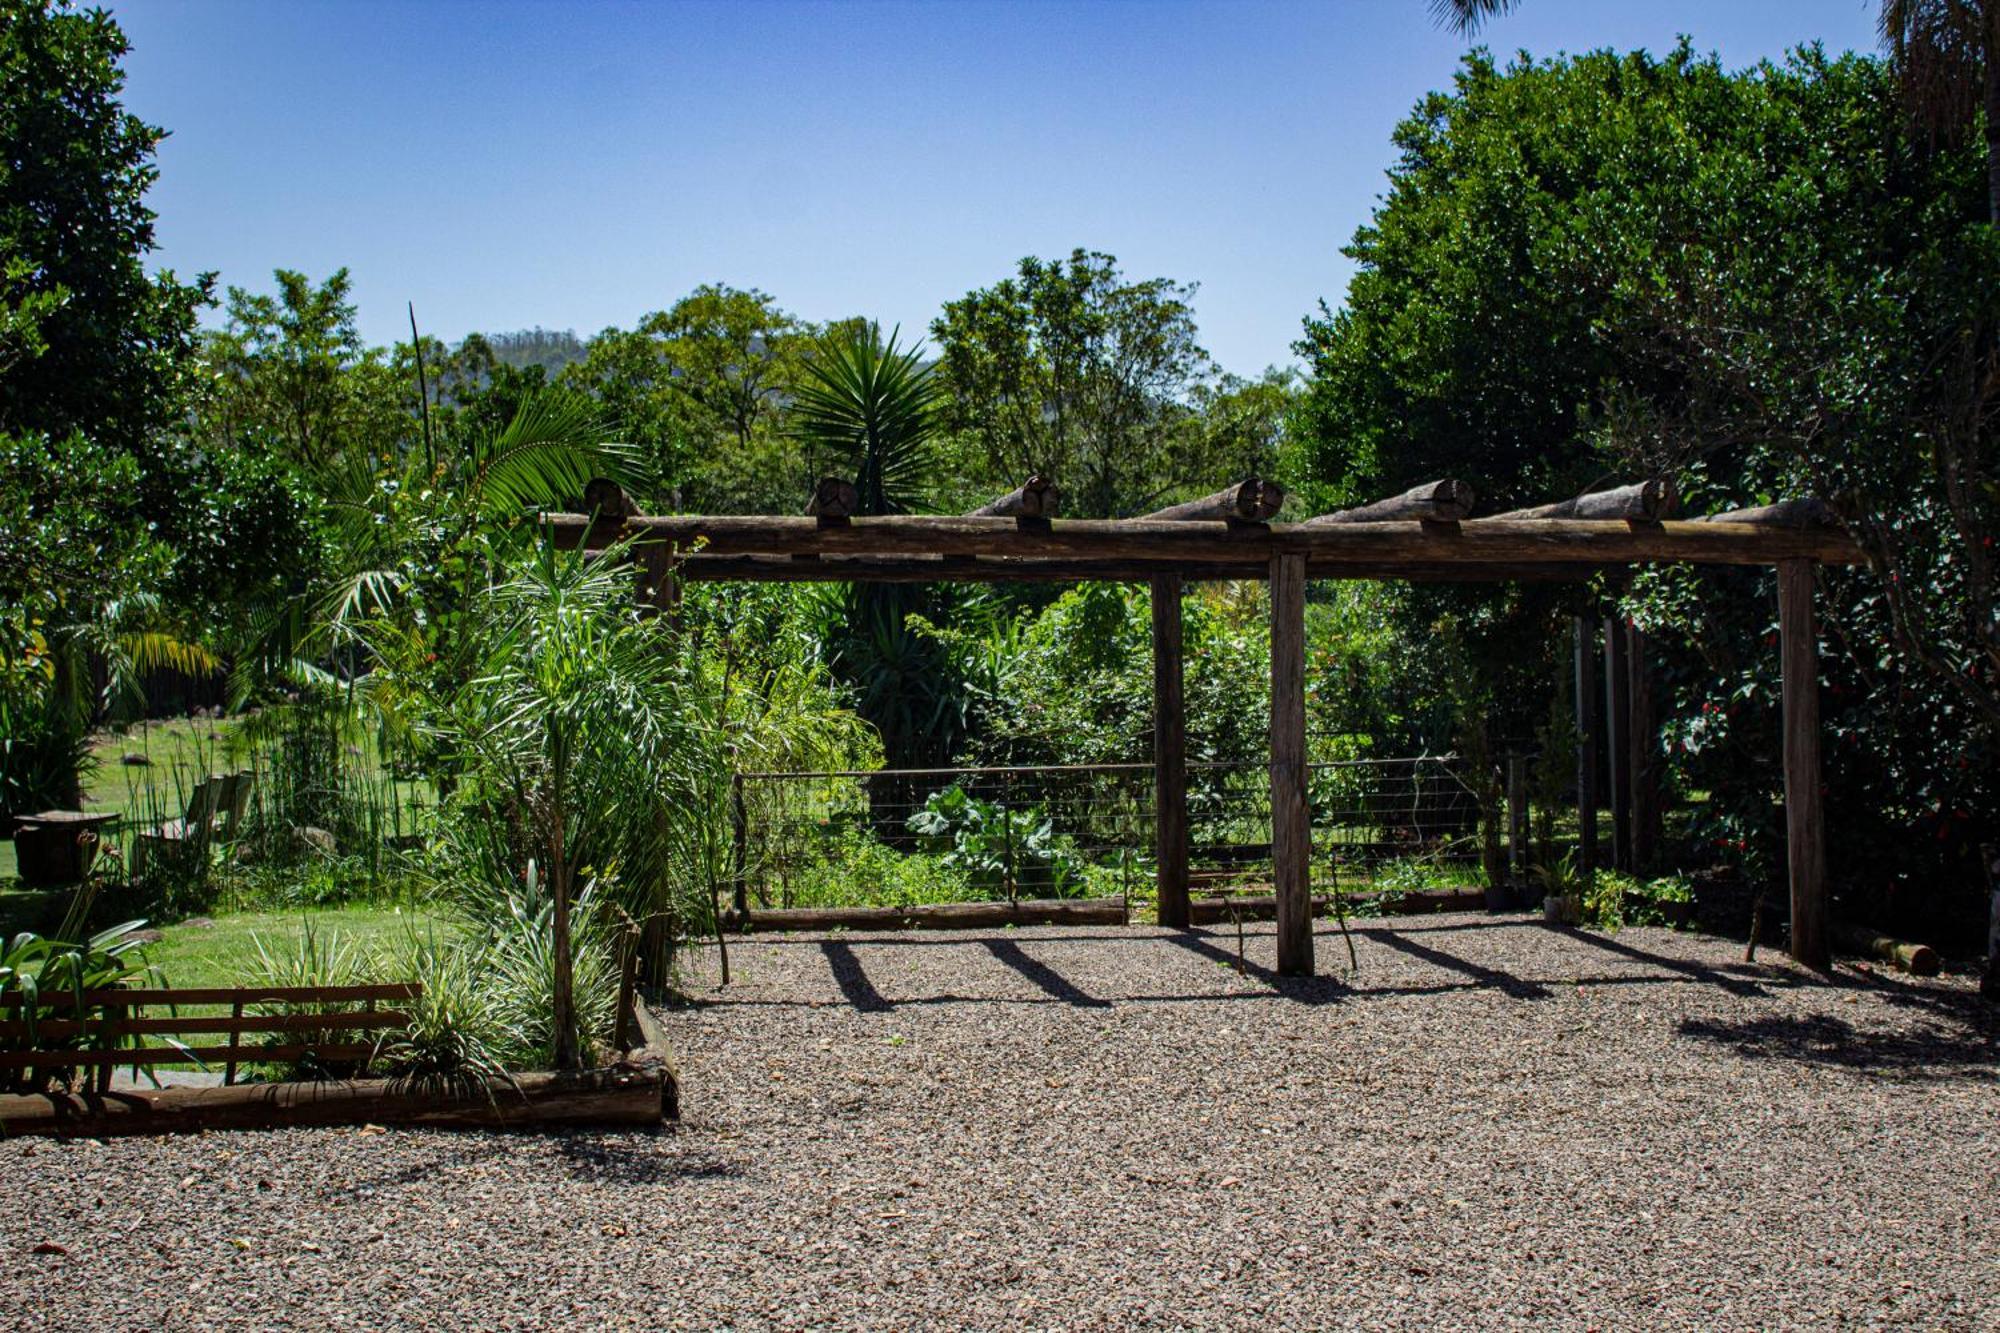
{"x":1067,"y":370}
{"x":292,"y":373}
{"x":117,"y":345}
{"x":1621,"y":265}
{"x":699,"y":386}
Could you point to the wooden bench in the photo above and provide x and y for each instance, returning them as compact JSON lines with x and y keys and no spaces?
{"x":107,"y":1025}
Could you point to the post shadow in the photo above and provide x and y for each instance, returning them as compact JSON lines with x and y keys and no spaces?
{"x":1306,"y":990}
{"x":1485,"y":976}
{"x":1698,"y":971}
{"x":852,"y":979}
{"x":1052,"y":982}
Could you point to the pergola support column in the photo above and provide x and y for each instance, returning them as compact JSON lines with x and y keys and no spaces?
{"x":1618,"y":739}
{"x":1805,"y":827}
{"x":1291,"y":826}
{"x":1170,"y":827}
{"x":1586,"y":747}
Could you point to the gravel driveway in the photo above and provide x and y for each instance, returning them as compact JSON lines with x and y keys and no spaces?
{"x":1490,"y":1125}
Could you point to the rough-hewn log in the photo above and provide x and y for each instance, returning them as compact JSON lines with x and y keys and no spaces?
{"x":1445,"y":501}
{"x":1252,"y":501}
{"x":939,"y":916}
{"x":606,"y":498}
{"x":833,"y":497}
{"x":981,"y":569}
{"x":1471,"y":544}
{"x":1919,"y":960}
{"x":1037,"y":497}
{"x":1291,"y":826}
{"x":1805,"y":833}
{"x":626,"y":1094}
{"x":1802,"y":513}
{"x":1643,"y":501}
{"x":1170,"y":827}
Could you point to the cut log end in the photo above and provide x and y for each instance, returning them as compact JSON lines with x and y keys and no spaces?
{"x":834,"y":497}
{"x":1446,"y":501}
{"x":608,"y":500}
{"x":1037,"y":497}
{"x":1252,"y":501}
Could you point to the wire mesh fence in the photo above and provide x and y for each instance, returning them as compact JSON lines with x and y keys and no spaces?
{"x":905,"y":836}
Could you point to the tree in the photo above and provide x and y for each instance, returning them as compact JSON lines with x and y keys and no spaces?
{"x":1621,"y":265}
{"x":699,"y":386}
{"x":293,"y":373}
{"x":117,"y":346}
{"x":1069,"y":371}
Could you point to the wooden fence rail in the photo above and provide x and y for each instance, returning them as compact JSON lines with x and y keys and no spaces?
{"x":98,"y":1026}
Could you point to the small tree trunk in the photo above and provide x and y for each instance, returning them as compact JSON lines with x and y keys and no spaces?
{"x":563,"y":1001}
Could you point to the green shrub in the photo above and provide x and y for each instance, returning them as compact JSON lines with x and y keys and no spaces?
{"x":992,"y":845}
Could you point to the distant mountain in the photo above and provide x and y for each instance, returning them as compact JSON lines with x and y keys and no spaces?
{"x":550,"y":349}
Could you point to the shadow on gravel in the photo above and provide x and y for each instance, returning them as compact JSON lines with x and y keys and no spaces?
{"x":632,"y":1162}
{"x":1053,"y":983}
{"x":1824,"y":1040}
{"x":1695,"y":971}
{"x":853,"y":978}
{"x":1305,"y":990}
{"x":1485,"y":976}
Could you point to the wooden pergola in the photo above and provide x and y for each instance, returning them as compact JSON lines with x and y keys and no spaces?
{"x":1426,"y":534}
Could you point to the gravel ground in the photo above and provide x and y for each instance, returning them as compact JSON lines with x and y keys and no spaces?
{"x":1490,"y":1125}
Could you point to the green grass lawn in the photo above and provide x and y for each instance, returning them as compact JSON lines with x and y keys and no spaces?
{"x":224,"y":952}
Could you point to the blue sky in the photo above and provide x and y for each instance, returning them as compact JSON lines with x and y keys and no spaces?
{"x":504,"y":165}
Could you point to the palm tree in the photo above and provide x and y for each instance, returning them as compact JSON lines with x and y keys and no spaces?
{"x":1465,"y":16}
{"x":1946,"y":54}
{"x":870,"y":407}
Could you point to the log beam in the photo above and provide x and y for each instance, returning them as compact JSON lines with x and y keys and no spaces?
{"x":1170,"y":827}
{"x":1252,"y":501}
{"x":1804,"y":513}
{"x":1805,"y":834}
{"x":937,"y":916}
{"x":1469,"y":545}
{"x":1642,"y":502}
{"x":1445,"y":501}
{"x":628,"y":1094}
{"x":1291,"y":826}
{"x":982,"y":569}
{"x":1037,"y":497}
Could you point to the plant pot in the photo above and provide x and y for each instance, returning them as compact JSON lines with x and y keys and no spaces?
{"x":1564,"y":910}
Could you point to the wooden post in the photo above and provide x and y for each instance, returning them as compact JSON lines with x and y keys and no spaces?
{"x":1989,"y":985}
{"x":1517,"y":817}
{"x":1805,"y":833}
{"x":1644,"y":752}
{"x":1618,"y":740}
{"x":1291,"y":826}
{"x":1170,"y":826}
{"x":1586,"y":747}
